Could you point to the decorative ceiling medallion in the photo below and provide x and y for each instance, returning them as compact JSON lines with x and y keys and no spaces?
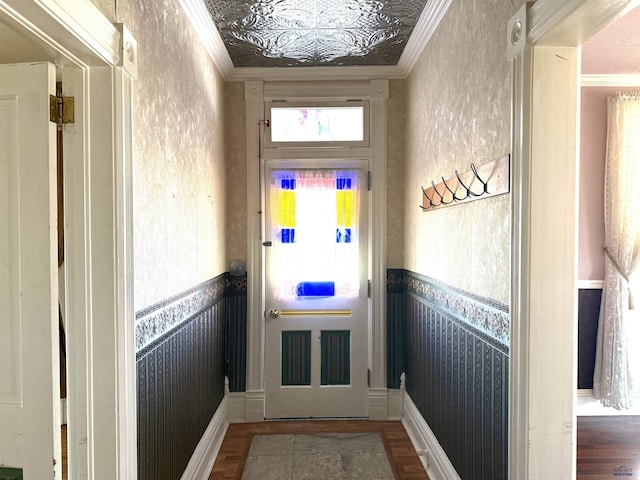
{"x":283,"y":33}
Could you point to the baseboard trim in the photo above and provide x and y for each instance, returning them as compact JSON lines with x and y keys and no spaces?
{"x":584,"y":392}
{"x":254,"y":406}
{"x":237,"y":407}
{"x":378,"y":404}
{"x":433,"y":457}
{"x":204,"y":456}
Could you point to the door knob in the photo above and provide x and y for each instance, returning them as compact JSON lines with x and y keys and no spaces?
{"x":274,"y":313}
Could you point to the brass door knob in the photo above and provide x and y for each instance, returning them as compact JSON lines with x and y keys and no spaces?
{"x":274,"y":313}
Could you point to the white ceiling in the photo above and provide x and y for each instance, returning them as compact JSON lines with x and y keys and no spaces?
{"x":615,"y":49}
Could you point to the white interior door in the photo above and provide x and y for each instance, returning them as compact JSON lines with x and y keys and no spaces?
{"x":316,"y":291}
{"x":29,"y":351}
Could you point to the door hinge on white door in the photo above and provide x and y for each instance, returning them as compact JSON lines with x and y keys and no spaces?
{"x":61,"y":110}
{"x":369,"y":180}
{"x":368,"y":288}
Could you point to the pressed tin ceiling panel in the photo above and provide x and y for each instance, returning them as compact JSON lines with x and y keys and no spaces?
{"x":295,"y":33}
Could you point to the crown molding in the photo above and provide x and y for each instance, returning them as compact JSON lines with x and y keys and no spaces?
{"x":314,"y":73}
{"x":199,"y":16}
{"x":427,"y":24}
{"x":611,"y":80}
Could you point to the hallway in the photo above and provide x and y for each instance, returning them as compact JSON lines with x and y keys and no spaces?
{"x":403,"y":460}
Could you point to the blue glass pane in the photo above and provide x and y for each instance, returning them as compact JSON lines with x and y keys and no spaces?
{"x":288,"y":183}
{"x":315,"y":289}
{"x":343,"y":235}
{"x":288,"y":235}
{"x":343,"y":183}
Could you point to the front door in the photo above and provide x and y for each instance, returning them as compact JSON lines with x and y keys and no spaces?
{"x":29,"y":354}
{"x":316,"y":290}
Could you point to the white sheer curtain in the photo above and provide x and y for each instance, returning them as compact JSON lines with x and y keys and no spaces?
{"x":616,"y":358}
{"x":318,"y":209}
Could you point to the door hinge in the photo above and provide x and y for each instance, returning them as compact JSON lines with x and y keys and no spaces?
{"x":369,"y":377}
{"x":368,"y":288}
{"x":369,"y":180}
{"x":61,"y":110}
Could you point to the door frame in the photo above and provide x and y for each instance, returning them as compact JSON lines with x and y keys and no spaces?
{"x":89,"y":51}
{"x":251,"y":405}
{"x":545,"y":108}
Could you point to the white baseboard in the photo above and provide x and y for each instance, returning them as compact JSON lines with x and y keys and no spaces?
{"x":433,"y":457}
{"x":396,"y":407}
{"x":237,"y":407}
{"x":254,"y":406}
{"x":378,"y":404}
{"x":204,"y":456}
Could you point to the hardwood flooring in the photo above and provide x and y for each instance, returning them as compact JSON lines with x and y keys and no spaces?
{"x":235,"y":446}
{"x":65,"y":455}
{"x":605,"y":444}
{"x":608,"y":447}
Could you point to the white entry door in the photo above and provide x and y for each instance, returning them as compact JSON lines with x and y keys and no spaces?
{"x":316,"y":291}
{"x":29,"y":351}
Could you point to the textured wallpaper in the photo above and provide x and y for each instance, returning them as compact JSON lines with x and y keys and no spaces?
{"x":396,"y":127}
{"x":179,"y":167}
{"x":236,"y":159}
{"x":458,"y":111}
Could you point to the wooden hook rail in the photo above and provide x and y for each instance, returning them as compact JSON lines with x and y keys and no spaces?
{"x":480,"y":182}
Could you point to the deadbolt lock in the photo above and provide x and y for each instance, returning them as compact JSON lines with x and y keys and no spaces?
{"x":274,"y":313}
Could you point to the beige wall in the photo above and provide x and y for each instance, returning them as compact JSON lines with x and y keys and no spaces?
{"x":179,"y":163}
{"x":459,"y":100}
{"x":236,"y":160}
{"x":396,"y":127}
{"x":190,"y":193}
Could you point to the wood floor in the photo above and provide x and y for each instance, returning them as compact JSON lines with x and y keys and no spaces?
{"x":233,"y":452}
{"x":65,"y":455}
{"x":605,"y":444}
{"x":608,"y":447}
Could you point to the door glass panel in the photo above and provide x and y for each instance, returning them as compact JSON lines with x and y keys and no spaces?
{"x":315,"y":233}
{"x":335,"y":358}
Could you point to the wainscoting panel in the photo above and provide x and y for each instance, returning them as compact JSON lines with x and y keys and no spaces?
{"x":457,"y":373}
{"x":395,"y":329}
{"x":180,"y":376}
{"x":588,"y":313}
{"x":236,"y":343}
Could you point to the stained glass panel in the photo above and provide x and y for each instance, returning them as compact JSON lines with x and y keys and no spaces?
{"x":317,"y":124}
{"x":314,"y":230}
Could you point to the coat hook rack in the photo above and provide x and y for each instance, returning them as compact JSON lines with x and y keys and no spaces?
{"x":480,"y":182}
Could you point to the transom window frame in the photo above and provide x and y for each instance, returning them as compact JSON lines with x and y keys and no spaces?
{"x":310,"y":104}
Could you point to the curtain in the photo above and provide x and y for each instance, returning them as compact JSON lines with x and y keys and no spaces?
{"x":314,"y":221}
{"x":615,"y":349}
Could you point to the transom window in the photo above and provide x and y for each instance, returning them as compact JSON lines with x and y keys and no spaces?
{"x":339,"y":124}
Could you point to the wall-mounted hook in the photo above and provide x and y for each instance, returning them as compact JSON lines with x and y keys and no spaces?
{"x":484,"y":184}
{"x":431,"y":204}
{"x":452,"y":192}
{"x":493,"y":176}
{"x":441,"y":195}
